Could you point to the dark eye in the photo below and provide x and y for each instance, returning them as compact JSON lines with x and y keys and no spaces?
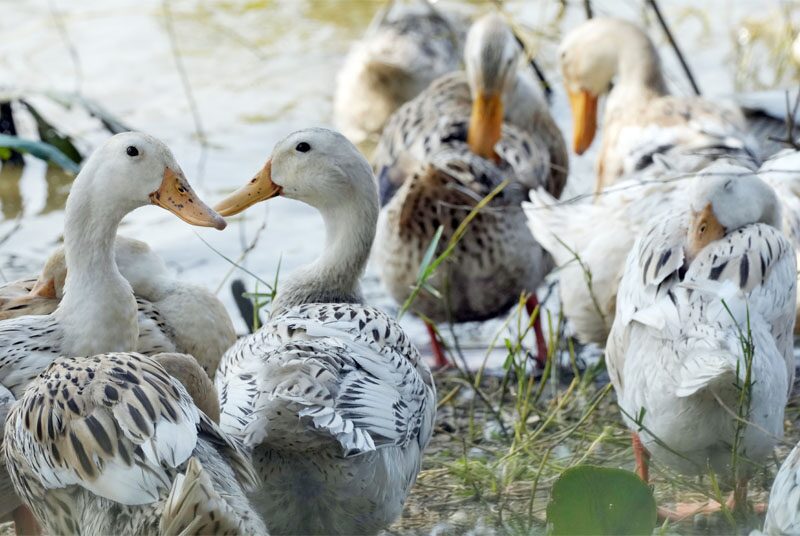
{"x":303,"y":147}
{"x":132,"y":151}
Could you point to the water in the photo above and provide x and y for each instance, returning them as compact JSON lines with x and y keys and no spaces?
{"x":259,"y":70}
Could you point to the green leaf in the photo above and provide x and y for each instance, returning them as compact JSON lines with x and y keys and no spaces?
{"x":5,"y":153}
{"x":429,"y":253}
{"x":587,"y":499}
{"x":39,"y":149}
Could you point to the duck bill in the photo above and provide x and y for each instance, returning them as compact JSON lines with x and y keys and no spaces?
{"x":584,"y":119}
{"x":704,"y":229}
{"x":485,"y":124}
{"x":260,"y":188}
{"x":177,"y":196}
{"x":44,"y":288}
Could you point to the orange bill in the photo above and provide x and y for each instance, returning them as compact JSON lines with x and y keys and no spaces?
{"x":584,"y":119}
{"x":260,"y":188}
{"x":177,"y":196}
{"x":485,"y":125}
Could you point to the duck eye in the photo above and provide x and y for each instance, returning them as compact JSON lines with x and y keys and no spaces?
{"x":303,"y":147}
{"x":132,"y":151}
{"x":702,"y":228}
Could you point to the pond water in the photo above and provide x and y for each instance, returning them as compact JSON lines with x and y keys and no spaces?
{"x":259,"y":69}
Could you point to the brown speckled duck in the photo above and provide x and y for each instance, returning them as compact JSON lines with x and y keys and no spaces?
{"x":443,"y":152}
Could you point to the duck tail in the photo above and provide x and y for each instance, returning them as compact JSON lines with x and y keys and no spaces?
{"x":194,"y":507}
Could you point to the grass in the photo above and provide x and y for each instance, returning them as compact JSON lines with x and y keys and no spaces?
{"x":501,"y":442}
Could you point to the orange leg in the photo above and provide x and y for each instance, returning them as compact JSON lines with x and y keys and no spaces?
{"x":440,"y":360}
{"x":642,"y":458}
{"x":25,"y":523}
{"x":541,"y":346}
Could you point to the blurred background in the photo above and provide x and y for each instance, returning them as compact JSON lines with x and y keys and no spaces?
{"x":222,"y":80}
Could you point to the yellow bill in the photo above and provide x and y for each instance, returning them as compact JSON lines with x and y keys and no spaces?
{"x":177,"y":196}
{"x":485,"y":125}
{"x":584,"y":119}
{"x":260,"y":188}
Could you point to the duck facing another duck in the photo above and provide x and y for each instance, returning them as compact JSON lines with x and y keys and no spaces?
{"x":329,"y":396}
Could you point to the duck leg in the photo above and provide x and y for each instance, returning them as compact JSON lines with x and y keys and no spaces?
{"x":642,"y":458}
{"x":25,"y":523}
{"x":532,"y":305}
{"x":440,"y":360}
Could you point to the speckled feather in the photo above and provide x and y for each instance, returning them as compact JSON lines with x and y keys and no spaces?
{"x":429,"y":177}
{"x":95,"y":444}
{"x":339,"y":391}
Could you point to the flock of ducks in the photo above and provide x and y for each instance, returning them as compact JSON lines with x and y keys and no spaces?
{"x":130,"y":407}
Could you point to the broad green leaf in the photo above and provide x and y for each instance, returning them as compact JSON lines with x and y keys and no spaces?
{"x":5,"y":153}
{"x":587,"y":499}
{"x":39,"y":149}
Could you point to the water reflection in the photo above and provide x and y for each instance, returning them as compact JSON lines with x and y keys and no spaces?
{"x":58,"y":183}
{"x":10,"y":195}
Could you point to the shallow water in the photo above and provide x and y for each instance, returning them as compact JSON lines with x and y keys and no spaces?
{"x":258,"y":70}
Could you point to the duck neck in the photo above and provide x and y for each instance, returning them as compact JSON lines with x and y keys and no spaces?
{"x":334,"y":276}
{"x":639,"y":73}
{"x":98,"y":310}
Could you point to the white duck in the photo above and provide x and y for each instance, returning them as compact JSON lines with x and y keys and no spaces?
{"x":112,"y":444}
{"x":330,"y":396}
{"x":589,"y":242}
{"x":641,"y":118}
{"x":674,"y":354}
{"x":98,"y":312}
{"x":602,"y":233}
{"x":174,"y":316}
{"x":783,"y":513}
{"x":405,"y":48}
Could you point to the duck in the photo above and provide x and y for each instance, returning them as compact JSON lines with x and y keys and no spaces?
{"x":174,"y":316}
{"x":697,"y":284}
{"x":589,"y":241}
{"x":114,"y":444}
{"x":98,"y":311}
{"x":439,"y":155}
{"x":594,"y":238}
{"x":330,"y":397}
{"x":641,"y":117}
{"x":783,"y":511}
{"x":405,"y":48}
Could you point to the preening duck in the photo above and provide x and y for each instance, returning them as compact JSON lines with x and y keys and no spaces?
{"x":694,"y":282}
{"x":112,"y":444}
{"x":330,"y":396}
{"x":98,"y":311}
{"x":174,"y":316}
{"x":444,"y":151}
{"x":641,"y":118}
{"x":405,"y":48}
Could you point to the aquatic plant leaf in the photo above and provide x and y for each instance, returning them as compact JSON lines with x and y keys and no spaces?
{"x":39,"y":149}
{"x":588,"y":499}
{"x":50,"y":135}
